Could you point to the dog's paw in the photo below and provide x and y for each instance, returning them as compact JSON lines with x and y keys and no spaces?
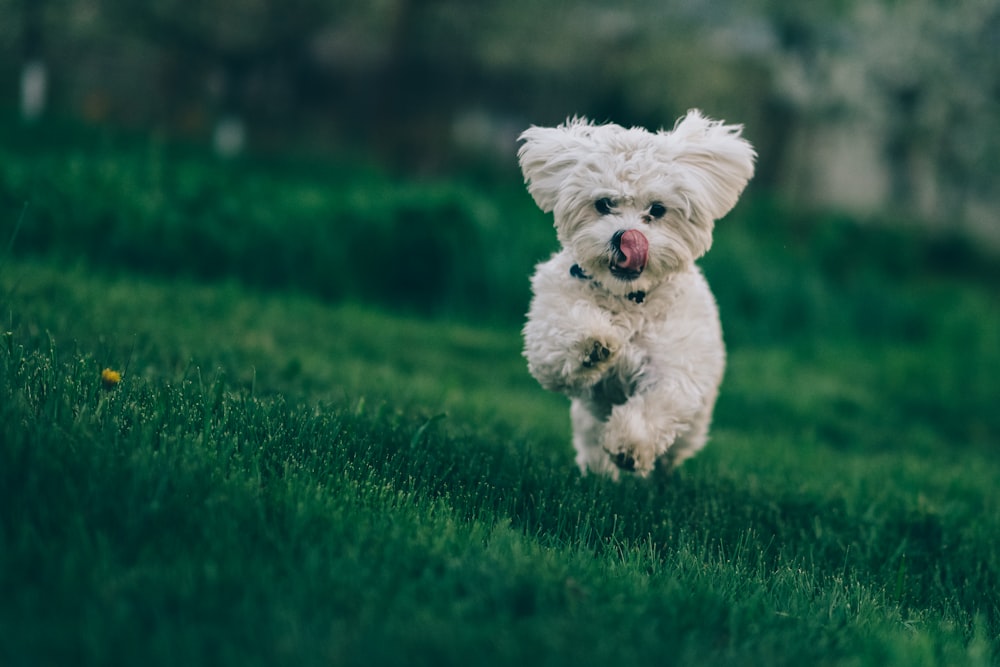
{"x":623,"y":461}
{"x":630,"y":443}
{"x":595,"y":353}
{"x":630,"y":457}
{"x":590,"y":361}
{"x":598,"y":350}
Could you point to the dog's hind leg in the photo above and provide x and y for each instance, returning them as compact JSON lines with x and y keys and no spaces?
{"x":588,"y":431}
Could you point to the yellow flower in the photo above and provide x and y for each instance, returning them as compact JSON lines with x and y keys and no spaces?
{"x":110,"y":378}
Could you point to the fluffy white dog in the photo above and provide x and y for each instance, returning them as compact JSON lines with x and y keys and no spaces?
{"x":622,"y":320}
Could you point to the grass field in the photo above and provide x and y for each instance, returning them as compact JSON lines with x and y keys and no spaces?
{"x":298,"y":469}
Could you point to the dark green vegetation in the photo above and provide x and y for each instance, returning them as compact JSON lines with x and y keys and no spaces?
{"x":273,"y":480}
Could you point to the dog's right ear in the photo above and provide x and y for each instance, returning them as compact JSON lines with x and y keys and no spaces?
{"x":547,"y":157}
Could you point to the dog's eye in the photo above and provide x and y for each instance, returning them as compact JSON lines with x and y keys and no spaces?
{"x":604,"y":205}
{"x":657,"y":210}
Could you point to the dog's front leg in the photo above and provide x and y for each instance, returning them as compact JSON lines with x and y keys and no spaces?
{"x":569,"y":350}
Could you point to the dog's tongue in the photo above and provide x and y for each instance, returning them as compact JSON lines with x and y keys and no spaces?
{"x":634,"y":249}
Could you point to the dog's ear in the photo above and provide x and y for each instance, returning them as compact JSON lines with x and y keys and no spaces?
{"x":717,"y":162}
{"x":548,"y":155}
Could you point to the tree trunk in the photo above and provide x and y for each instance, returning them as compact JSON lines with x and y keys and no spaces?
{"x":34,"y":73}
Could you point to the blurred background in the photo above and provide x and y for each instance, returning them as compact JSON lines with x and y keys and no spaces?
{"x":872,"y":107}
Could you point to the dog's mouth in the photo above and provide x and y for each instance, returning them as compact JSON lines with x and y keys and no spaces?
{"x":629,"y":254}
{"x":624,"y":274}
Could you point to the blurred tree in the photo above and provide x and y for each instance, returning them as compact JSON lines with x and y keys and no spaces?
{"x":234,"y":38}
{"x":933,"y":82}
{"x":34,"y":71}
{"x":804,"y":87}
{"x":920,"y":76}
{"x":450,"y":60}
{"x":413,"y":89}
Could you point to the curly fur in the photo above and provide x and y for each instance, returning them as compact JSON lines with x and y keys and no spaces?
{"x":643,"y":373}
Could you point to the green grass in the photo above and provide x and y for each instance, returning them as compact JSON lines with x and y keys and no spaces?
{"x":212,"y":509}
{"x":282,"y":479}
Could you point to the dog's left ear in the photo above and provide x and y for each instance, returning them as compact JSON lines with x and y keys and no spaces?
{"x":717,"y":162}
{"x":548,"y":155}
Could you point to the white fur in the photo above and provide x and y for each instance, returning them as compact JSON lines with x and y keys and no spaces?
{"x":643,"y":377}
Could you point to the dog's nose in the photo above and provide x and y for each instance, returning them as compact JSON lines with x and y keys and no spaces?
{"x":631,"y":250}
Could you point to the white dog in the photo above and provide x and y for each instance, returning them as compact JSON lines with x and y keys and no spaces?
{"x":622,"y":321}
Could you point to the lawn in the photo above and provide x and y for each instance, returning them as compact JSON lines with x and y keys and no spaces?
{"x":297,"y":469}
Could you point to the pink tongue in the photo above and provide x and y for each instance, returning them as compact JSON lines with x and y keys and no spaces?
{"x":634,"y":248}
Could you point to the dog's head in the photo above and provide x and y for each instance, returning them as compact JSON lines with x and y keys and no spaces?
{"x":633,"y":206}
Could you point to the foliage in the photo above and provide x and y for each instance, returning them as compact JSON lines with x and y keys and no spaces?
{"x":336,"y":232}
